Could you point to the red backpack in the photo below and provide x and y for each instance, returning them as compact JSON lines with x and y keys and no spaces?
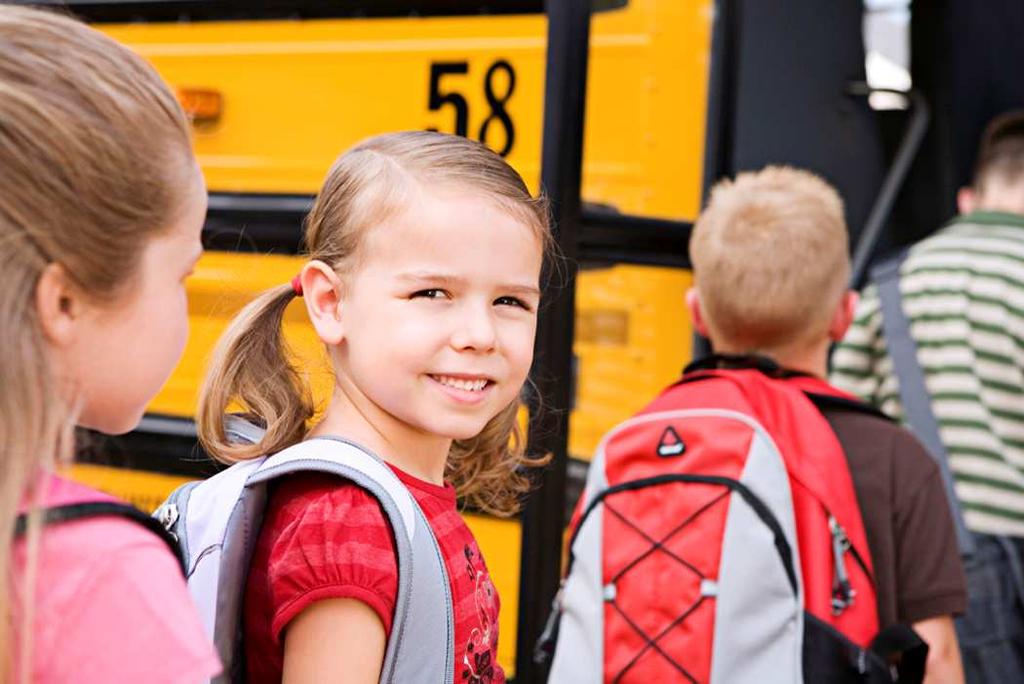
{"x":719,"y":540}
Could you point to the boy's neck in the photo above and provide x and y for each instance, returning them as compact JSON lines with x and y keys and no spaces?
{"x":811,"y":359}
{"x":417,"y":453}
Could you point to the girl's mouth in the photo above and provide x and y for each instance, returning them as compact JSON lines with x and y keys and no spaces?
{"x":466,"y":384}
{"x":465,"y":388}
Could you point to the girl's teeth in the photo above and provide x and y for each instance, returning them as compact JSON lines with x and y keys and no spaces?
{"x":465,"y":385}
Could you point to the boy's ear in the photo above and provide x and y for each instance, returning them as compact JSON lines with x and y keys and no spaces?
{"x":696,"y":313}
{"x":58,"y":305}
{"x":842,"y":319}
{"x":966,"y":200}
{"x":322,"y":291}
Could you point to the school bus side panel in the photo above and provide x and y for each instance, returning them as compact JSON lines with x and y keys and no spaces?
{"x":294,"y":94}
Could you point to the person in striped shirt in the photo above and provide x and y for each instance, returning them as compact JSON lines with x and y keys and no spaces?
{"x":963,"y":293}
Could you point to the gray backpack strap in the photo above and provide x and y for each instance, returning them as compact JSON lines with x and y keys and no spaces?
{"x":240,"y":431}
{"x":914,"y":397}
{"x":423,"y":607}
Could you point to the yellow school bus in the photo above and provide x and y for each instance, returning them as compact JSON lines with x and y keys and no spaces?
{"x":276,"y":93}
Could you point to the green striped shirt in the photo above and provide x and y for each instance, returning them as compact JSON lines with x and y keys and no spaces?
{"x":963,"y":291}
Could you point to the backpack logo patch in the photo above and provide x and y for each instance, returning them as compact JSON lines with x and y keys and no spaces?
{"x":671,"y":444}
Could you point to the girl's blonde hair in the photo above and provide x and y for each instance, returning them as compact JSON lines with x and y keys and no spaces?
{"x":95,"y":157}
{"x":369,"y":183}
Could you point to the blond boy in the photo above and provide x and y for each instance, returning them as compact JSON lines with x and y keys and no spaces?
{"x":771,"y":267}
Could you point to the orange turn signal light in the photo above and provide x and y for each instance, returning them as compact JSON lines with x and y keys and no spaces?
{"x":202,"y":105}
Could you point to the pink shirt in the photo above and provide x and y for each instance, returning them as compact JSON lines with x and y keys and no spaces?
{"x":110,"y":603}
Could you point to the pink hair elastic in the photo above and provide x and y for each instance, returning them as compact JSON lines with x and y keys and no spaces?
{"x":297,"y":285}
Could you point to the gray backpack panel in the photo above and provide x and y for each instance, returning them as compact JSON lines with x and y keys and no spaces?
{"x":217,"y":522}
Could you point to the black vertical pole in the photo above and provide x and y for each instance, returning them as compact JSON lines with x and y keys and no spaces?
{"x":720,"y":133}
{"x":931,"y":197}
{"x":720,"y":126}
{"x":561,"y":169}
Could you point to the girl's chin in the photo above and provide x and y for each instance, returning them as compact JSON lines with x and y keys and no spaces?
{"x":110,"y":425}
{"x":463,"y":435}
{"x":463,"y":430}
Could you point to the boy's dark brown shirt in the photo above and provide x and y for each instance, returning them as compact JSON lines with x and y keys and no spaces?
{"x":917,"y":566}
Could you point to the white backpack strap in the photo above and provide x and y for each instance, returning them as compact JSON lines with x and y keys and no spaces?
{"x":423,"y":607}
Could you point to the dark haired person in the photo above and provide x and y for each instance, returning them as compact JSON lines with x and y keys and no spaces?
{"x":962,"y":292}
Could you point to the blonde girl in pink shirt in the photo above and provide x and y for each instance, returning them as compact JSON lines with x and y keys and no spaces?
{"x":101,"y":208}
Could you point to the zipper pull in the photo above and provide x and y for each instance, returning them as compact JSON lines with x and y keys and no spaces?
{"x":167,"y":515}
{"x":545,"y":646}
{"x":843,"y":593}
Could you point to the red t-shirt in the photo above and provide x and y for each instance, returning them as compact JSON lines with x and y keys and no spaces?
{"x":324,"y":537}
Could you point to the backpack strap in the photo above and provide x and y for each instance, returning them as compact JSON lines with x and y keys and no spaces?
{"x":900,"y":647}
{"x":821,"y":394}
{"x":94,"y":509}
{"x":423,"y":607}
{"x":832,"y":401}
{"x":914,"y":397}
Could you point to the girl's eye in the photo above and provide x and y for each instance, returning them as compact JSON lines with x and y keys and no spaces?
{"x":512,"y":301}
{"x":434,"y":293}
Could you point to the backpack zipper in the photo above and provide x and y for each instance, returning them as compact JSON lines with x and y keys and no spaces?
{"x":167,"y":515}
{"x":843,"y":593}
{"x":545,"y":646}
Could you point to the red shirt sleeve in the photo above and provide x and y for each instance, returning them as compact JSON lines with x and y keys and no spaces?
{"x":322,"y":538}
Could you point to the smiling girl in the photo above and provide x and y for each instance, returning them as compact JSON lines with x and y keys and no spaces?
{"x":423,"y":283}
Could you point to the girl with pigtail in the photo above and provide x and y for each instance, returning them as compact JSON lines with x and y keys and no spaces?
{"x":101,"y":209}
{"x":425,"y":254}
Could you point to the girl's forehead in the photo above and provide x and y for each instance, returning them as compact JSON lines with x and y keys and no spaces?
{"x":463,"y":243}
{"x":451,"y":226}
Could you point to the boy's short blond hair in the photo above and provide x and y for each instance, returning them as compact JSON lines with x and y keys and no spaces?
{"x":770,"y":259}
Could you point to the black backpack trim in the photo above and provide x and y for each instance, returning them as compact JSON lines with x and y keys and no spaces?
{"x":765,"y":364}
{"x":827,"y":401}
{"x":92,"y":509}
{"x":769,"y":367}
{"x":896,"y":654}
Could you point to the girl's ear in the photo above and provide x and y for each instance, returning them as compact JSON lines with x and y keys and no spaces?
{"x":58,"y":305}
{"x":322,"y":292}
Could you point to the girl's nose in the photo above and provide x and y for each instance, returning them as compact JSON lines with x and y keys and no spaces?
{"x":475,"y":330}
